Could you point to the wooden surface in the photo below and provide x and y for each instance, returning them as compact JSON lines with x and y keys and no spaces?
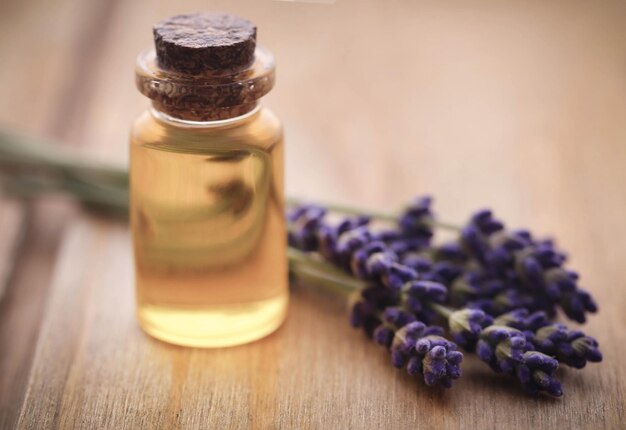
{"x":520,"y":105}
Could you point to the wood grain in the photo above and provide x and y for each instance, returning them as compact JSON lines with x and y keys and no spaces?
{"x":39,"y":80}
{"x":519,"y":105}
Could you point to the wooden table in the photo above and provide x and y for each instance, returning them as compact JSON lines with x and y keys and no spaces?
{"x":518,"y":105}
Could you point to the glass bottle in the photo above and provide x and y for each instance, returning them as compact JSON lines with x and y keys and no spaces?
{"x":207,"y":186}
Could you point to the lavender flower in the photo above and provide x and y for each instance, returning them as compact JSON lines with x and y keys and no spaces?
{"x":532,"y":267}
{"x":305,"y":221}
{"x":501,"y":347}
{"x":570,"y":347}
{"x":443,"y":272}
{"x":399,"y":284}
{"x":505,"y":350}
{"x":308,"y":230}
{"x":392,"y":317}
{"x":486,"y":223}
{"x":473,"y":285}
{"x":412,"y":344}
{"x":348,"y":243}
{"x":508,"y":300}
{"x":371,"y":260}
{"x":536,"y":372}
{"x":490,"y":271}
{"x":366,"y":306}
{"x":416,"y":294}
{"x":416,"y":221}
{"x":417,"y":262}
{"x":421,"y":349}
{"x":466,"y":326}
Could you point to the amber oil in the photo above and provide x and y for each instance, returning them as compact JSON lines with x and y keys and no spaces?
{"x":207,"y":221}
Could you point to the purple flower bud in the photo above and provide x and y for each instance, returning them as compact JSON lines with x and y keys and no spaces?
{"x":476,"y":285}
{"x":360,"y":258}
{"x":422,"y":350}
{"x":440,"y":363}
{"x":485,"y":222}
{"x":351,"y":223}
{"x":426,"y":290}
{"x":327,"y":237}
{"x":576,"y":304}
{"x":537,"y":372}
{"x":383,"y":335}
{"x":474,"y":243}
{"x":571,"y":348}
{"x":414,"y":366}
{"x":417,"y":262}
{"x":397,"y":316}
{"x":304,"y":222}
{"x":533,"y":268}
{"x":416,"y":221}
{"x":546,"y":338}
{"x":501,"y":347}
{"x":360,"y":312}
{"x":466,"y":326}
{"x":489,"y":271}
{"x":451,"y":252}
{"x":404,"y":342}
{"x":443,"y":272}
{"x":351,"y":240}
{"x":397,"y":275}
{"x":379,"y":263}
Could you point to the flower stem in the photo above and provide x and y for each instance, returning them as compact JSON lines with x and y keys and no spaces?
{"x":442,"y":310}
{"x":18,"y":150}
{"x":322,"y":280}
{"x":301,"y":263}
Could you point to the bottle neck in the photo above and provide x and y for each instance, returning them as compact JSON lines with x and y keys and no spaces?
{"x":244,"y":115}
{"x":187,"y":113}
{"x":200,"y":98}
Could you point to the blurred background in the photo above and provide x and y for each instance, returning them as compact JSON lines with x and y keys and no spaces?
{"x":373,"y":94}
{"x":519,"y":105}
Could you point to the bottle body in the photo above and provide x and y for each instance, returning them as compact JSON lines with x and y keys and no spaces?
{"x":208,"y":228}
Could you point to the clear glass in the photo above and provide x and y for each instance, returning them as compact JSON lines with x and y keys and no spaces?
{"x":208,"y":228}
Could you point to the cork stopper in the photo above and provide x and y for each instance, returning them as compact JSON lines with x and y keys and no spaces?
{"x":205,"y":43}
{"x":205,"y":67}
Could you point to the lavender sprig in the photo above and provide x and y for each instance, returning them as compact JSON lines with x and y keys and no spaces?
{"x":530,"y":265}
{"x":422,"y":349}
{"x":570,"y":347}
{"x":387,"y":311}
{"x":536,"y":372}
{"x":531,"y":271}
{"x":418,"y":348}
{"x":503,"y":348}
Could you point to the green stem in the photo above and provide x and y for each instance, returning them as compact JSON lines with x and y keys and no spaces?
{"x":325,"y":280}
{"x":442,"y":310}
{"x":17,"y":150}
{"x":445,"y":226}
{"x":301,"y":262}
